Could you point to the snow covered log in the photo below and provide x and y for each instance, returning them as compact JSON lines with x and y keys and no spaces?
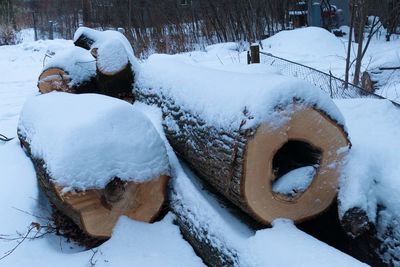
{"x":95,"y":162}
{"x":115,"y":61}
{"x":369,"y":203}
{"x":72,"y":71}
{"x":270,"y":144}
{"x":224,"y":236}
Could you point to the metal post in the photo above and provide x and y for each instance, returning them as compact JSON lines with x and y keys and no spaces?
{"x":51,"y":32}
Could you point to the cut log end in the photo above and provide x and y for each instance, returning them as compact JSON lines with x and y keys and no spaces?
{"x":96,"y":211}
{"x":99,"y":210}
{"x":57,"y":79}
{"x":54,"y":79}
{"x":308,"y":139}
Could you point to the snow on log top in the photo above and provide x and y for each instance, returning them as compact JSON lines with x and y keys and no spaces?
{"x":76,"y":61}
{"x":87,"y":140}
{"x":226,"y":98}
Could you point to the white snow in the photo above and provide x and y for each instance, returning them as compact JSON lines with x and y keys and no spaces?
{"x":77,"y":62}
{"x":295,"y":181}
{"x":86,"y":140}
{"x":111,"y":56}
{"x":371,"y":173}
{"x":221,"y":97}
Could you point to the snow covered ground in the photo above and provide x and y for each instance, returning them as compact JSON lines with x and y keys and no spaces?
{"x":373,"y":126}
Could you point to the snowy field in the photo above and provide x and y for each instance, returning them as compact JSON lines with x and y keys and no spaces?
{"x":370,"y":176}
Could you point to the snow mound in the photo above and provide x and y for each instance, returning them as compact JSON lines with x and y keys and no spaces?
{"x":76,"y":61}
{"x":225,"y":98}
{"x":143,"y":244}
{"x":312,"y":41}
{"x":86,"y":140}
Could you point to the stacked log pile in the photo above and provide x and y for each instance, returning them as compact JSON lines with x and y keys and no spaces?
{"x":101,"y":62}
{"x":274,"y":148}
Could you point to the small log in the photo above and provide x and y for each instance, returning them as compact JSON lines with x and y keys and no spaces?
{"x":97,"y":211}
{"x":57,"y":79}
{"x":72,"y":70}
{"x":115,"y":61}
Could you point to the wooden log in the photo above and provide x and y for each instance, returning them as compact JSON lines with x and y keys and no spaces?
{"x":104,"y":160}
{"x":97,"y":211}
{"x":115,"y":62}
{"x":57,"y":79}
{"x":72,"y":70}
{"x":244,"y":163}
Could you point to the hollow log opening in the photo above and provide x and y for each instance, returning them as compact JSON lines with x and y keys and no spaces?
{"x":295,"y":154}
{"x":294,"y":166}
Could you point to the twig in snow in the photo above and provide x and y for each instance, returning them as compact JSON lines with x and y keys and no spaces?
{"x":92,"y":261}
{"x":5,"y":138}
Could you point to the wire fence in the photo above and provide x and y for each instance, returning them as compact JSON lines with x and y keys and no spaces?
{"x":328,"y":83}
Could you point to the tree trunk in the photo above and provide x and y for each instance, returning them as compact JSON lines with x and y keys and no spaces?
{"x":242,"y":164}
{"x":97,"y":211}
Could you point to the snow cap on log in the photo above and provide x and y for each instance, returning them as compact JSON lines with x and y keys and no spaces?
{"x":251,"y":134}
{"x":87,"y":140}
{"x":225,"y":98}
{"x":70,"y":70}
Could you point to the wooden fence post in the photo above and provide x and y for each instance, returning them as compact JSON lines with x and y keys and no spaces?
{"x":255,"y":53}
{"x":51,"y":31}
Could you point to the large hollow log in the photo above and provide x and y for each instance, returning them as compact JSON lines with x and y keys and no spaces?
{"x":243,"y":163}
{"x":72,"y":71}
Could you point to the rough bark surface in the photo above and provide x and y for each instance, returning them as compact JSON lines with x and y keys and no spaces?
{"x":216,"y":152}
